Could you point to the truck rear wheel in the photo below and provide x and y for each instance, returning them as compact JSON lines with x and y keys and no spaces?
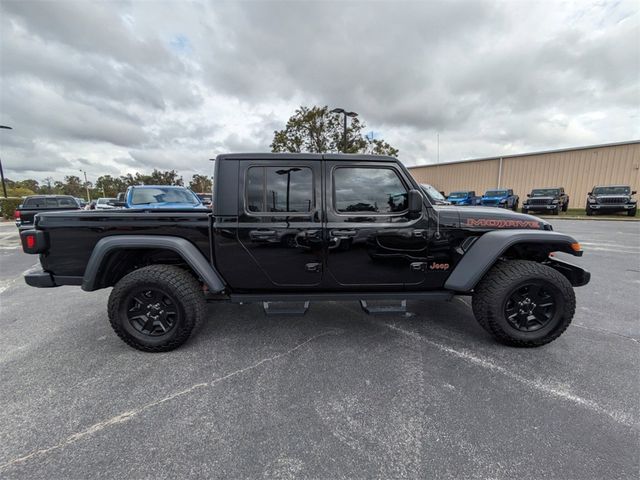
{"x":524,"y":303}
{"x":155,"y":308}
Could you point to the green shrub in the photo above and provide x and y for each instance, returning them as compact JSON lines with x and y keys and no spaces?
{"x":8,"y":206}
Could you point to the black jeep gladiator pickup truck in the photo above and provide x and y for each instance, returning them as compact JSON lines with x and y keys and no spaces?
{"x":303,"y":227}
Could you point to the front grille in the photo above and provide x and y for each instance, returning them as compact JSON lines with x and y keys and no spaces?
{"x":612,"y":200}
{"x":490,"y":202}
{"x":539,"y":201}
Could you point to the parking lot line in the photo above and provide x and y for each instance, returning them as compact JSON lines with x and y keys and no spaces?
{"x":125,"y":416}
{"x":620,"y":417}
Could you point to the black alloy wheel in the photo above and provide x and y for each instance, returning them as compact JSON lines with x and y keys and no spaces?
{"x":152,"y":312}
{"x":155,"y":308}
{"x":531,"y":307}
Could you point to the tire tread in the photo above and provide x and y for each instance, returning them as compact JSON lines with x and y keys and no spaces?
{"x":490,"y":292}
{"x":186,"y":288}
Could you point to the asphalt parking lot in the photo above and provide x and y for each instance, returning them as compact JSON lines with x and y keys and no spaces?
{"x":334,"y":394}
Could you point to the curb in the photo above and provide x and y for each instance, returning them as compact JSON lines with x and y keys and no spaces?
{"x":604,"y":219}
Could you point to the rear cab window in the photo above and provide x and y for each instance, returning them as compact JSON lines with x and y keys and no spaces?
{"x":273,"y":189}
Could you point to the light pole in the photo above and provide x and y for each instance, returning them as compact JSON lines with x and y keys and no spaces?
{"x":346,"y":114}
{"x":288,"y":172}
{"x":4,"y":187}
{"x":86,"y":185}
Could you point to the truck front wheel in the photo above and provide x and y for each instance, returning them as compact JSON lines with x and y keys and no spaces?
{"x":524,"y":303}
{"x":156,"y":308}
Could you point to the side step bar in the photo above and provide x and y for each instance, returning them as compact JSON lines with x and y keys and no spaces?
{"x":269,"y":309}
{"x":269,"y":301}
{"x":338,"y":296}
{"x":384,"y":309}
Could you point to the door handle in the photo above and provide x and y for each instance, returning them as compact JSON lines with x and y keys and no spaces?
{"x":343,"y":234}
{"x":313,"y":267}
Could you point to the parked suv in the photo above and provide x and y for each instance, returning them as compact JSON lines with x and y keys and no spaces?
{"x":546,"y":200}
{"x":158,"y":197}
{"x":611,"y":199}
{"x":503,"y":198}
{"x":464,"y":198}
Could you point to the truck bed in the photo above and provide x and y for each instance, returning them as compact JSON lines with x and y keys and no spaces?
{"x":75,"y":233}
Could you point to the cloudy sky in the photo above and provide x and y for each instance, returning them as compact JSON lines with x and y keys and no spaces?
{"x":116,"y":87}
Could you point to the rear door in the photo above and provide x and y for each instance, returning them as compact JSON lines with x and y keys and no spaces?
{"x":372,"y":242}
{"x":279,"y":223}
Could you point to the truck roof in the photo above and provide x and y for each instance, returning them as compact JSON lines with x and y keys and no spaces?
{"x":306,"y":156}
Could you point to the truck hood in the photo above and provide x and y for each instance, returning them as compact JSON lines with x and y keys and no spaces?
{"x":491,"y":218}
{"x":541,"y":198}
{"x":494,"y":198}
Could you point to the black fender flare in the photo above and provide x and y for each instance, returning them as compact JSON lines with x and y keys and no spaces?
{"x":187,"y":250}
{"x":486,"y":250}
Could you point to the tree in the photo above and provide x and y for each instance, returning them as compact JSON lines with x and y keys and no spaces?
{"x":48,"y":189}
{"x":109,"y":186}
{"x":200,"y":183}
{"x":166,"y":177}
{"x":317,"y":130}
{"x":73,"y":186}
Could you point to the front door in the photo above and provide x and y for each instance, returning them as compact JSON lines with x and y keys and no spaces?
{"x":280,"y":226}
{"x":372,"y":241}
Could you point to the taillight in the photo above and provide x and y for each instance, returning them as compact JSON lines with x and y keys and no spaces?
{"x":33,"y":241}
{"x":16,"y":215}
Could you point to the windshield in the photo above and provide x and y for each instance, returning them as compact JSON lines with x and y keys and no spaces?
{"x":432,"y":192}
{"x":545,"y":192}
{"x":205,"y":197}
{"x":458,"y":195}
{"x":611,"y":191}
{"x":143,"y":196}
{"x":495,"y":193}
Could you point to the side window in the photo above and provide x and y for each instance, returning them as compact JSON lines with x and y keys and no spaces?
{"x":279,"y":189}
{"x":366,"y":190}
{"x":66,"y":202}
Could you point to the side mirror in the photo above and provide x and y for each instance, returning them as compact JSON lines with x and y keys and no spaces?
{"x":633,"y":192}
{"x":415,"y":204}
{"x":590,"y":193}
{"x":528,"y":195}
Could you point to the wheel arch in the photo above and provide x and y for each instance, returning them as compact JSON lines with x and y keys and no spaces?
{"x":516,"y":244}
{"x":112,"y":256}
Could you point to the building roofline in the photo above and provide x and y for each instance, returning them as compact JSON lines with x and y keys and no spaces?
{"x":528,"y":154}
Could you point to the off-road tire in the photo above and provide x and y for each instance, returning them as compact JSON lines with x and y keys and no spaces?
{"x":187,"y":296}
{"x":632,"y":212}
{"x":493,"y":291}
{"x":565,"y":207}
{"x":556,"y":211}
{"x":589,"y":211}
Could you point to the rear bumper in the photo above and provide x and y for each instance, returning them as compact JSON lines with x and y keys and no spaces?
{"x":42,"y":279}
